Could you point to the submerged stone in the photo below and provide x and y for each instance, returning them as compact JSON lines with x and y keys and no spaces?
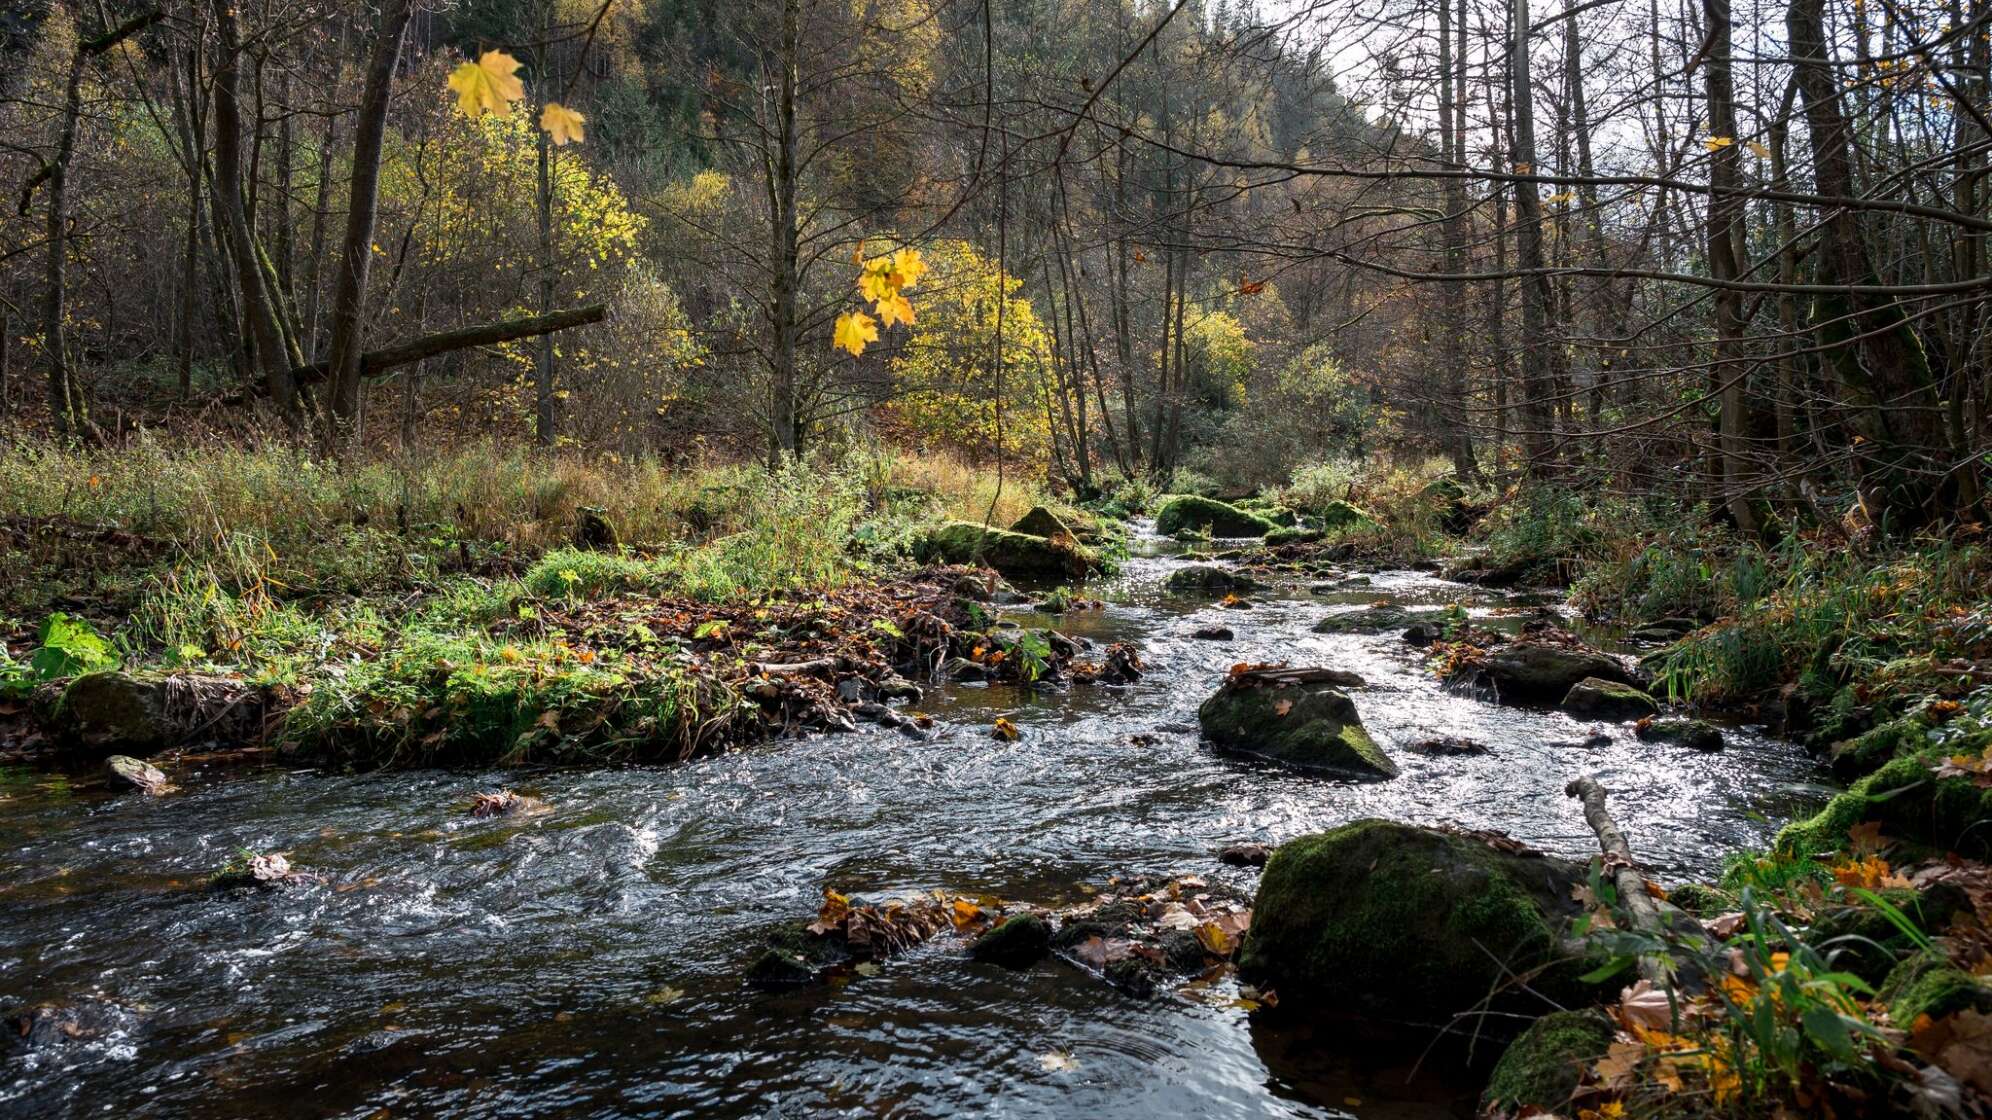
{"x":1306,"y":723}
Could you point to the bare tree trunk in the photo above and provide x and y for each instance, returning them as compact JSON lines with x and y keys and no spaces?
{"x":784,"y":252}
{"x":1725,"y":262}
{"x":350,"y":291}
{"x":1452,"y":142}
{"x":1538,"y":347}
{"x":271,"y":355}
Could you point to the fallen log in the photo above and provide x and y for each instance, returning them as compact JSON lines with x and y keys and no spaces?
{"x":1640,"y":908}
{"x":376,"y":363}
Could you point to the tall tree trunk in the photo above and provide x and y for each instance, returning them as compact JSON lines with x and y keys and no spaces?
{"x":1452,"y":142}
{"x":1539,"y":348}
{"x":266,"y":339}
{"x":1725,"y":263}
{"x":784,"y":252}
{"x":350,"y":285}
{"x":1906,"y":473}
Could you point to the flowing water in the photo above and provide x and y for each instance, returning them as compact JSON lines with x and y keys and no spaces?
{"x":586,"y":962}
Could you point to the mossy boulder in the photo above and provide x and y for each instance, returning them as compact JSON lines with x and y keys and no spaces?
{"x":1863,"y":754}
{"x":1702,"y":900}
{"x":1543,"y":1067}
{"x":1339,"y":514}
{"x":1042,"y":522}
{"x":1694,"y":734}
{"x":1927,"y":983}
{"x":1911,"y":803}
{"x":1013,"y":554}
{"x":1309,"y":725}
{"x":1209,"y":579}
{"x":1020,"y":941}
{"x":1208,"y":515}
{"x":1596,"y":698}
{"x":1543,"y":673}
{"x":1408,"y":923}
{"x":1294,"y":535}
{"x":101,"y":714}
{"x":1373,"y":620}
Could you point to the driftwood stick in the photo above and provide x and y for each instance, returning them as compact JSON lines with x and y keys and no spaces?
{"x":797,"y":668}
{"x":1630,"y":884}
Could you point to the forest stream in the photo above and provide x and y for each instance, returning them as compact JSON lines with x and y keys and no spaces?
{"x":587,"y":961}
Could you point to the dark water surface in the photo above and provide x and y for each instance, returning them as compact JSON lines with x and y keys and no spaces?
{"x":586,"y":962}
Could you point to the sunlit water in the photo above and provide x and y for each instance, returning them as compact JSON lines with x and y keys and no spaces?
{"x":586,"y":962}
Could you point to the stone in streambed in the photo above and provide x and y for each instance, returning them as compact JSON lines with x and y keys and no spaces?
{"x":1542,"y":1068}
{"x":1213,"y":633}
{"x":1447,"y":745}
{"x":1409,"y":923}
{"x":1695,"y":734}
{"x":1297,"y":718}
{"x":1020,"y":941}
{"x":1543,"y":673}
{"x":1595,"y":698}
{"x":1208,"y":579}
{"x":1012,"y":554}
{"x":1188,"y":512}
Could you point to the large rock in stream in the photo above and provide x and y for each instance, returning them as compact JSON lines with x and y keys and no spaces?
{"x":1594,"y":698}
{"x":1528,"y":672}
{"x":1013,"y":554}
{"x":1298,"y":718}
{"x":1410,"y":923}
{"x":1219,"y":519}
{"x":138,"y":714}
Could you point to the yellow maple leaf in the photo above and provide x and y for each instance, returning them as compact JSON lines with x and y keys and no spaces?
{"x":909,"y":266}
{"x":1561,"y":198}
{"x":1758,"y":149}
{"x":490,"y":84}
{"x":878,"y":281}
{"x":854,"y":329}
{"x":1717,"y":143}
{"x":564,"y":125}
{"x":895,"y":308}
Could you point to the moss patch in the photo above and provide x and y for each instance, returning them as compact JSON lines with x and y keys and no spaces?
{"x":1911,"y":803}
{"x":1929,"y":984}
{"x":1311,"y":727}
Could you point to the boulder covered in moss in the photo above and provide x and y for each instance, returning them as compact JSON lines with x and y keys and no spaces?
{"x":1694,"y":734}
{"x":1928,"y":983}
{"x":1293,"y":535}
{"x":1375,"y":620}
{"x":1703,"y":900}
{"x":1339,"y":514}
{"x":1409,"y":923}
{"x":1298,"y":718}
{"x":1208,"y":515}
{"x":1209,"y":579}
{"x":1869,"y":751}
{"x":1543,"y":672}
{"x":1542,"y":1068}
{"x":1044,"y":521}
{"x":1020,"y":941}
{"x":138,"y":714}
{"x":1013,"y":554}
{"x":1912,"y":801}
{"x":1597,"y":698}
